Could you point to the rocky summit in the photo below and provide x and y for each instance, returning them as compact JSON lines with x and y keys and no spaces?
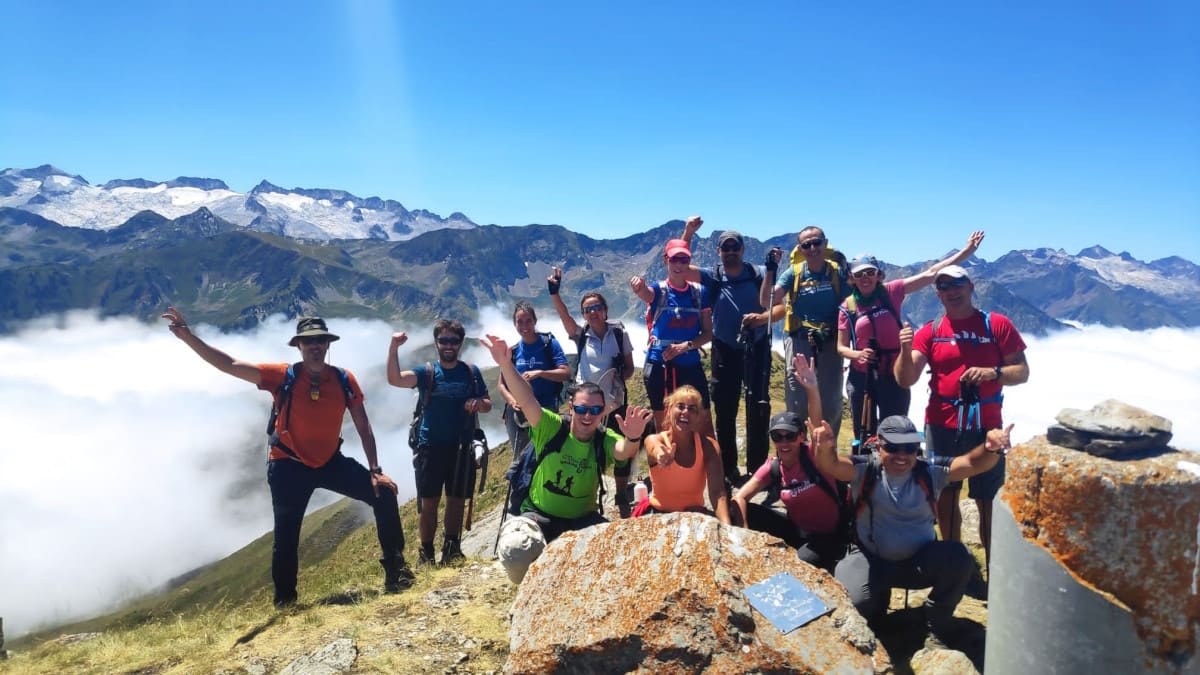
{"x":1110,"y":429}
{"x":664,"y":594}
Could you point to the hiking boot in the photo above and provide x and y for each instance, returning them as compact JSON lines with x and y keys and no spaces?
{"x":425,"y":555}
{"x":396,"y":575}
{"x":623,"y":505}
{"x":452,"y":551}
{"x":283,"y":602}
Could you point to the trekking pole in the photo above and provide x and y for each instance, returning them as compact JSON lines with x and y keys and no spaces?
{"x":503,"y":517}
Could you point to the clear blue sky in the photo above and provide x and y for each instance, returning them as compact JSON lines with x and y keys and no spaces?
{"x":898,"y":127}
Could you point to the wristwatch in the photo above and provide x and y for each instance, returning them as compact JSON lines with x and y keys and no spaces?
{"x":999,"y":373}
{"x":378,"y":471}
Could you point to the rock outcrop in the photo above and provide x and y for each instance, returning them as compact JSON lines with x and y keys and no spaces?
{"x":663,"y":594}
{"x":1127,"y":529}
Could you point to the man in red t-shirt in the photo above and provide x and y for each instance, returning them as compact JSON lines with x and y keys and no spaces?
{"x":971,"y":355}
{"x":305,"y":448}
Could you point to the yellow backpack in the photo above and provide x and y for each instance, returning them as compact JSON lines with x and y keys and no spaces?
{"x":833,"y":257}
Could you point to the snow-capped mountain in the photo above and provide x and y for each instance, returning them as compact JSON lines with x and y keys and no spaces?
{"x":301,"y":213}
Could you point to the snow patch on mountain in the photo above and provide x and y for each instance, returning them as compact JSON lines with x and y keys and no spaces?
{"x":1117,"y":271}
{"x":72,"y":201}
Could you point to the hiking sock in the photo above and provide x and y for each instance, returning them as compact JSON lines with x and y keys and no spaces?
{"x":452,"y":551}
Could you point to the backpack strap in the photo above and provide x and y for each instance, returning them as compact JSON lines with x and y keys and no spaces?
{"x":283,"y":397}
{"x":423,"y":399}
{"x":836,"y":492}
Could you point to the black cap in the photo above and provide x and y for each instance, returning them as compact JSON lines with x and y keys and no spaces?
{"x":787,"y":421}
{"x":899,"y":430}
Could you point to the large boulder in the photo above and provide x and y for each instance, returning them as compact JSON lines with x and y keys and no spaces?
{"x":663,"y":594}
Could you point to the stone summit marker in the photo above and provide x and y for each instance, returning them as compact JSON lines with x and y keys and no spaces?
{"x":1096,"y":550}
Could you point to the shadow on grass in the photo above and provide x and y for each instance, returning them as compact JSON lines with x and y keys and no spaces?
{"x":258,"y":630}
{"x":903,"y":634}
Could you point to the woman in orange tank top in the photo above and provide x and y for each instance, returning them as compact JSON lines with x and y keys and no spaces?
{"x":682,"y":461}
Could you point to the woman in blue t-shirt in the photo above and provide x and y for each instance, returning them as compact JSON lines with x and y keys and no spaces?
{"x":541,"y":362}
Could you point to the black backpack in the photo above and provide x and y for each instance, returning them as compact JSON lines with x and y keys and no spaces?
{"x":283,"y":397}
{"x":414,"y":428}
{"x":520,"y":477}
{"x":837,"y":492}
{"x":547,"y":360}
{"x":618,"y":363}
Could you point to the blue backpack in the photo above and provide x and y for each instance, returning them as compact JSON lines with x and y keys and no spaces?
{"x":520,"y":477}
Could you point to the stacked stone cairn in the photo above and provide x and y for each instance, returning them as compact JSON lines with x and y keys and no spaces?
{"x":1110,"y":429}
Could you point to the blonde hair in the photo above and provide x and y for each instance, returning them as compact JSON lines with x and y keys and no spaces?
{"x":685,"y":392}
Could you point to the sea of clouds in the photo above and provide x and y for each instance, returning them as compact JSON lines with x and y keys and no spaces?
{"x":130,"y":461}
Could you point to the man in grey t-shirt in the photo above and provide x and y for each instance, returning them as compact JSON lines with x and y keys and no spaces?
{"x":897,"y":543}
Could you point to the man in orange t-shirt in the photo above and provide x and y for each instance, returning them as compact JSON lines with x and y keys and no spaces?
{"x":305,"y":448}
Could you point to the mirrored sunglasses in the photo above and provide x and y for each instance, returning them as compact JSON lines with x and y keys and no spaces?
{"x":869,"y":272}
{"x":681,"y":259}
{"x":592,"y":309}
{"x":951,"y":283}
{"x":587,"y":409}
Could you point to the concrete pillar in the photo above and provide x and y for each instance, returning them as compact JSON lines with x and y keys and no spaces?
{"x":1095,"y":564}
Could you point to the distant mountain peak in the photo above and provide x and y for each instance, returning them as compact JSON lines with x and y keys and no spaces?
{"x":201,"y":183}
{"x":266,"y":186}
{"x":1096,"y":251}
{"x":41,"y":173}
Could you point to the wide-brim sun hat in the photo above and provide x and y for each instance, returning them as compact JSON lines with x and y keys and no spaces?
{"x":311,"y":326}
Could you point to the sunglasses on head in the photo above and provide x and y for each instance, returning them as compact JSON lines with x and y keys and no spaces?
{"x":591,"y":309}
{"x":450,"y":341}
{"x":904,"y":448}
{"x":784,"y":436}
{"x":587,"y":409}
{"x":315,"y":340}
{"x":681,"y":259}
{"x":869,"y":272}
{"x":951,"y":283}
{"x":812,"y":243}
{"x":731,"y":247}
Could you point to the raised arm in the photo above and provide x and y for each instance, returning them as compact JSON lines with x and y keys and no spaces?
{"x":983,"y":456}
{"x":768,"y":294}
{"x":922,"y":279}
{"x":215,"y":357}
{"x":642,"y":289}
{"x":520,"y":390}
{"x":909,"y":364}
{"x":825,"y":452}
{"x":633,"y":430}
{"x":396,"y":377}
{"x":807,"y":379}
{"x":554,"y":283}
{"x":690,"y":228}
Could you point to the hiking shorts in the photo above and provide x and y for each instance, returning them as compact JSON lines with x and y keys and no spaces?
{"x":945,"y":442}
{"x":444,"y":468}
{"x":662,"y":379}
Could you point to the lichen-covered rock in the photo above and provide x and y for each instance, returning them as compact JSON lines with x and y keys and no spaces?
{"x":1128,"y":529}
{"x":941,"y":662}
{"x":663,"y":594}
{"x":336,"y":657}
{"x":1114,"y":419}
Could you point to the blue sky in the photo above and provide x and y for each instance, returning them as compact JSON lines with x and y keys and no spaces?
{"x":896,"y":127}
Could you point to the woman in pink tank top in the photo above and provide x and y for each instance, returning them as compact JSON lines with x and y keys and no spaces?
{"x":683,"y":462}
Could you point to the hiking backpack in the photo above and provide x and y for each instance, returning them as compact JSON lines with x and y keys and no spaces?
{"x":851,"y":310}
{"x":874,"y":474}
{"x":547,"y":361}
{"x":520,"y":476}
{"x":283,"y":396}
{"x":659,"y":303}
{"x":580,"y":341}
{"x":834,"y":260}
{"x":837,"y":492}
{"x":414,"y":428}
{"x":971,"y":407}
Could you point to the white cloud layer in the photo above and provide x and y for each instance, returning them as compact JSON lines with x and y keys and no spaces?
{"x":130,"y":461}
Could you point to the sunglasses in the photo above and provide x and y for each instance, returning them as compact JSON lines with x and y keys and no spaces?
{"x":730,"y":248}
{"x":812,"y":243}
{"x":681,"y":259}
{"x":450,"y":341}
{"x":954,"y":283}
{"x":592,"y":309}
{"x":784,"y":436}
{"x":587,"y":409}
{"x":867,"y":273}
{"x":904,"y":448}
{"x":318,"y":340}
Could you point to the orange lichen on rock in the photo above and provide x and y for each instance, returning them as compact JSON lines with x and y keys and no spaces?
{"x":1128,"y":529}
{"x":663,"y":594}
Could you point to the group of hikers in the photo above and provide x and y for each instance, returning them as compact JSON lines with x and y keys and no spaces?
{"x":867,"y":516}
